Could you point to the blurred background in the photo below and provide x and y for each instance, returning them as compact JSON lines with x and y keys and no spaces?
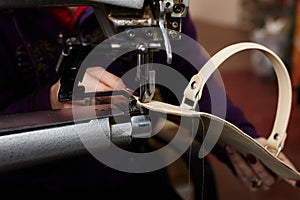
{"x":249,"y":78}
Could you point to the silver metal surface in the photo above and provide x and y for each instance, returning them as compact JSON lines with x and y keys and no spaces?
{"x":32,"y":147}
{"x":104,"y":22}
{"x":141,"y":126}
{"x":164,"y":32}
{"x":32,"y":138}
{"x":121,"y":133}
{"x":39,"y":3}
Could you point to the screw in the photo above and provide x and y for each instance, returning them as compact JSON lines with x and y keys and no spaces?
{"x":177,"y":8}
{"x":173,"y":34}
{"x":130,"y":33}
{"x":142,"y":48}
{"x":194,"y":85}
{"x":149,"y":33}
{"x":276,"y":136}
{"x":175,"y":24}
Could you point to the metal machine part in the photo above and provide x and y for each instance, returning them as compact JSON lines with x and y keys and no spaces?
{"x":33,"y":147}
{"x":76,"y":50}
{"x":174,"y":11}
{"x":165,"y":14}
{"x":33,"y":138}
{"x":137,"y":4}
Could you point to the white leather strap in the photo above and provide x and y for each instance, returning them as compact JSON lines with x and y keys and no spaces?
{"x":230,"y":134}
{"x":194,"y":89}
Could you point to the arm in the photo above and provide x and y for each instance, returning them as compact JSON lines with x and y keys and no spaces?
{"x":27,"y":60}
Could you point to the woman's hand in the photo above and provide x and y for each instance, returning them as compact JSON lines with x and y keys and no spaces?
{"x":96,"y":79}
{"x":252,"y":173}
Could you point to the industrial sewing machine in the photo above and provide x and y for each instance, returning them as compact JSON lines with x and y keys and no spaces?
{"x":166,"y":15}
{"x":53,"y":134}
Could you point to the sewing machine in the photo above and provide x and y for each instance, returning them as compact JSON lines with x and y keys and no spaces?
{"x":54,"y":134}
{"x":167,"y":15}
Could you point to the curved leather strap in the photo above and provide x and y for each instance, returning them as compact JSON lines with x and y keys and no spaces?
{"x":194,"y":90}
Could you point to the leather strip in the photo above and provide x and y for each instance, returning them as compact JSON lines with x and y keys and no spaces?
{"x":278,"y":135}
{"x":232,"y":135}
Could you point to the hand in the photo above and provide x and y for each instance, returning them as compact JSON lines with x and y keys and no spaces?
{"x":55,"y":104}
{"x":252,"y":173}
{"x":95,"y":79}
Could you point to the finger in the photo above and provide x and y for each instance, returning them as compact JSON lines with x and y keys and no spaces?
{"x":106,"y":78}
{"x":284,"y":159}
{"x":262,"y":172}
{"x":242,"y":168}
{"x":92,"y":84}
{"x":112,"y":81}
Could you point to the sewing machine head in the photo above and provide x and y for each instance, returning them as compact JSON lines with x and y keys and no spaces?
{"x":170,"y":11}
{"x":115,"y":17}
{"x":165,"y":14}
{"x":121,"y":12}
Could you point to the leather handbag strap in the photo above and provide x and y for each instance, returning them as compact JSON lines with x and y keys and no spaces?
{"x":194,"y":89}
{"x":230,"y":134}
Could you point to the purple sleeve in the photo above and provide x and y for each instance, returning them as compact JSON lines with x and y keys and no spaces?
{"x":233,"y":115}
{"x":28,"y":58}
{"x":39,"y":99}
